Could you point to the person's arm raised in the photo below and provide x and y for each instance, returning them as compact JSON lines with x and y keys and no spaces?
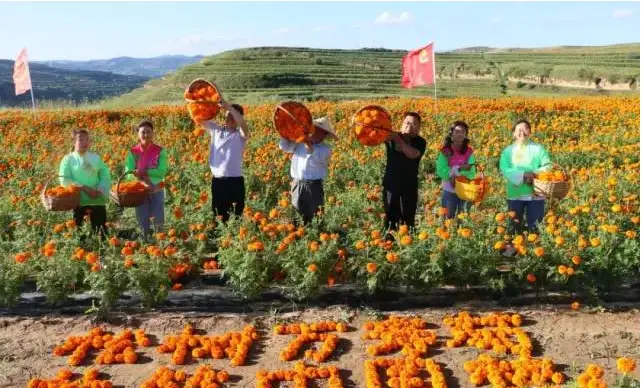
{"x":405,"y":148}
{"x":238,"y":118}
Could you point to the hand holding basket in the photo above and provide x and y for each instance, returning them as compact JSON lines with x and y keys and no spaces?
{"x":293,"y":121}
{"x":130,"y":194}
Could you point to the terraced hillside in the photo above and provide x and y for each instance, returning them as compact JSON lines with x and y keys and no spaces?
{"x":70,"y":86}
{"x":303,"y":73}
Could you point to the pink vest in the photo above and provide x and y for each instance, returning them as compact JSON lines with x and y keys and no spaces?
{"x":146,"y":158}
{"x":458,"y":159}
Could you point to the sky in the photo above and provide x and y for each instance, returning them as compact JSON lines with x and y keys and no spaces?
{"x":100,"y":30}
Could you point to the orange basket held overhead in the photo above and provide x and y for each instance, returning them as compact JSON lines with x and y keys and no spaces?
{"x":372,"y":125}
{"x":293,"y":121}
{"x":202,"y":99}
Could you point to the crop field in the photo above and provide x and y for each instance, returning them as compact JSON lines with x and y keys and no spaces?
{"x":588,"y":245}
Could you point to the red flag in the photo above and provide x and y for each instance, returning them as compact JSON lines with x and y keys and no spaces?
{"x":418,"y":67}
{"x":21,"y":76}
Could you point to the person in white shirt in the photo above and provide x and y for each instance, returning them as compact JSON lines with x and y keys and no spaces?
{"x":226,"y":161}
{"x":309,"y":164}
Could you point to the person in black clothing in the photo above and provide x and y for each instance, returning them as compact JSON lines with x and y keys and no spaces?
{"x":400,"y":182}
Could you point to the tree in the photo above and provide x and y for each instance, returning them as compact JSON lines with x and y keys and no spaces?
{"x":585,"y":74}
{"x":614,"y":78}
{"x":501,"y":78}
{"x":516,"y":72}
{"x":631,"y":80}
{"x":544,"y":74}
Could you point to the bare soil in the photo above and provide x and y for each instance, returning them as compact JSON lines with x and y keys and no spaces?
{"x":572,"y":339}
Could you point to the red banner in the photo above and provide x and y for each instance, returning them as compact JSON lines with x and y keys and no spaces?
{"x":418,"y":67}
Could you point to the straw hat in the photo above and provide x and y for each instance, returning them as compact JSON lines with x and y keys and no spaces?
{"x":324,"y":124}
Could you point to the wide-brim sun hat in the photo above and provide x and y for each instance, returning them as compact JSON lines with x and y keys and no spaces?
{"x":324,"y":124}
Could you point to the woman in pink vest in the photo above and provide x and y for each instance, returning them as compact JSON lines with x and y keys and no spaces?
{"x":455,"y":159}
{"x":148,"y":162}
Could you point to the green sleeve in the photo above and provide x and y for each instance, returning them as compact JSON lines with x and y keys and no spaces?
{"x":546,"y":162}
{"x":442,"y":167}
{"x":64,"y":172}
{"x":471,"y":173}
{"x":130,"y":162}
{"x":156,"y":175}
{"x":104,"y":184}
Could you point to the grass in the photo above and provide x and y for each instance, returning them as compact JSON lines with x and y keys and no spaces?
{"x":276,"y":73}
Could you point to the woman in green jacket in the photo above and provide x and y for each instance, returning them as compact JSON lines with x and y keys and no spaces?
{"x":87,"y":170}
{"x":455,"y":159}
{"x":519,"y":164}
{"x":148,"y":162}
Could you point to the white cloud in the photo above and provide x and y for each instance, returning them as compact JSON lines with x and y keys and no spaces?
{"x":496,"y":19}
{"x":388,"y":18}
{"x":621,"y":13}
{"x":324,"y":28}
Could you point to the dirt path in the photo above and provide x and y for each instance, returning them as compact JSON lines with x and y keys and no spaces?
{"x":565,"y":336}
{"x":550,"y":82}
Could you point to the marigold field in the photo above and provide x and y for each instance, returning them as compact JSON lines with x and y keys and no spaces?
{"x":589,"y":242}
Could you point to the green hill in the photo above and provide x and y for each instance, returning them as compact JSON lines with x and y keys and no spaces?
{"x":302,"y":73}
{"x":51,"y":84}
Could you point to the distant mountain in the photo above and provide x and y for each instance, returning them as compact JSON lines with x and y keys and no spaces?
{"x":50,"y":83}
{"x":146,"y":67}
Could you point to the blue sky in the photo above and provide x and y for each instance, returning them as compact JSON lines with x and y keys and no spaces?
{"x":97,"y":30}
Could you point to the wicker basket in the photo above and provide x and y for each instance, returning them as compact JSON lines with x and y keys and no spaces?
{"x":472,"y":192}
{"x":370,"y":135}
{"x":549,"y":190}
{"x":194,"y":105}
{"x":59,"y":204}
{"x":128,"y":199}
{"x":296,"y":116}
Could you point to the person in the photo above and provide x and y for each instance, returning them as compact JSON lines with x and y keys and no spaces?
{"x":226,"y":150}
{"x":456,"y":158}
{"x":400,"y":181}
{"x":519,"y":164}
{"x":87,"y":170}
{"x":148,"y":162}
{"x":309,"y":165}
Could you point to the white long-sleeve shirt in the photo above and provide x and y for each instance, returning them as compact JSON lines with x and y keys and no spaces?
{"x":225,"y":151}
{"x":304,"y":165}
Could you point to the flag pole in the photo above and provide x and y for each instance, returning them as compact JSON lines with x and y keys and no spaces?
{"x":33,"y":100}
{"x":434,"y":76}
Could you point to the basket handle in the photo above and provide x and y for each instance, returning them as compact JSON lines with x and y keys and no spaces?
{"x":203,"y":101}
{"x":371,"y":126}
{"x":120,"y":180}
{"x":305,"y":127}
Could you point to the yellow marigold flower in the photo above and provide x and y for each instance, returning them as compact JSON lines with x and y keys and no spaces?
{"x":626,"y":365}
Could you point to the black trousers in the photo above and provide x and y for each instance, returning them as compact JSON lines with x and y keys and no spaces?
{"x":307,"y":198}
{"x":97,"y":216}
{"x":400,"y":207}
{"x":227,"y":196}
